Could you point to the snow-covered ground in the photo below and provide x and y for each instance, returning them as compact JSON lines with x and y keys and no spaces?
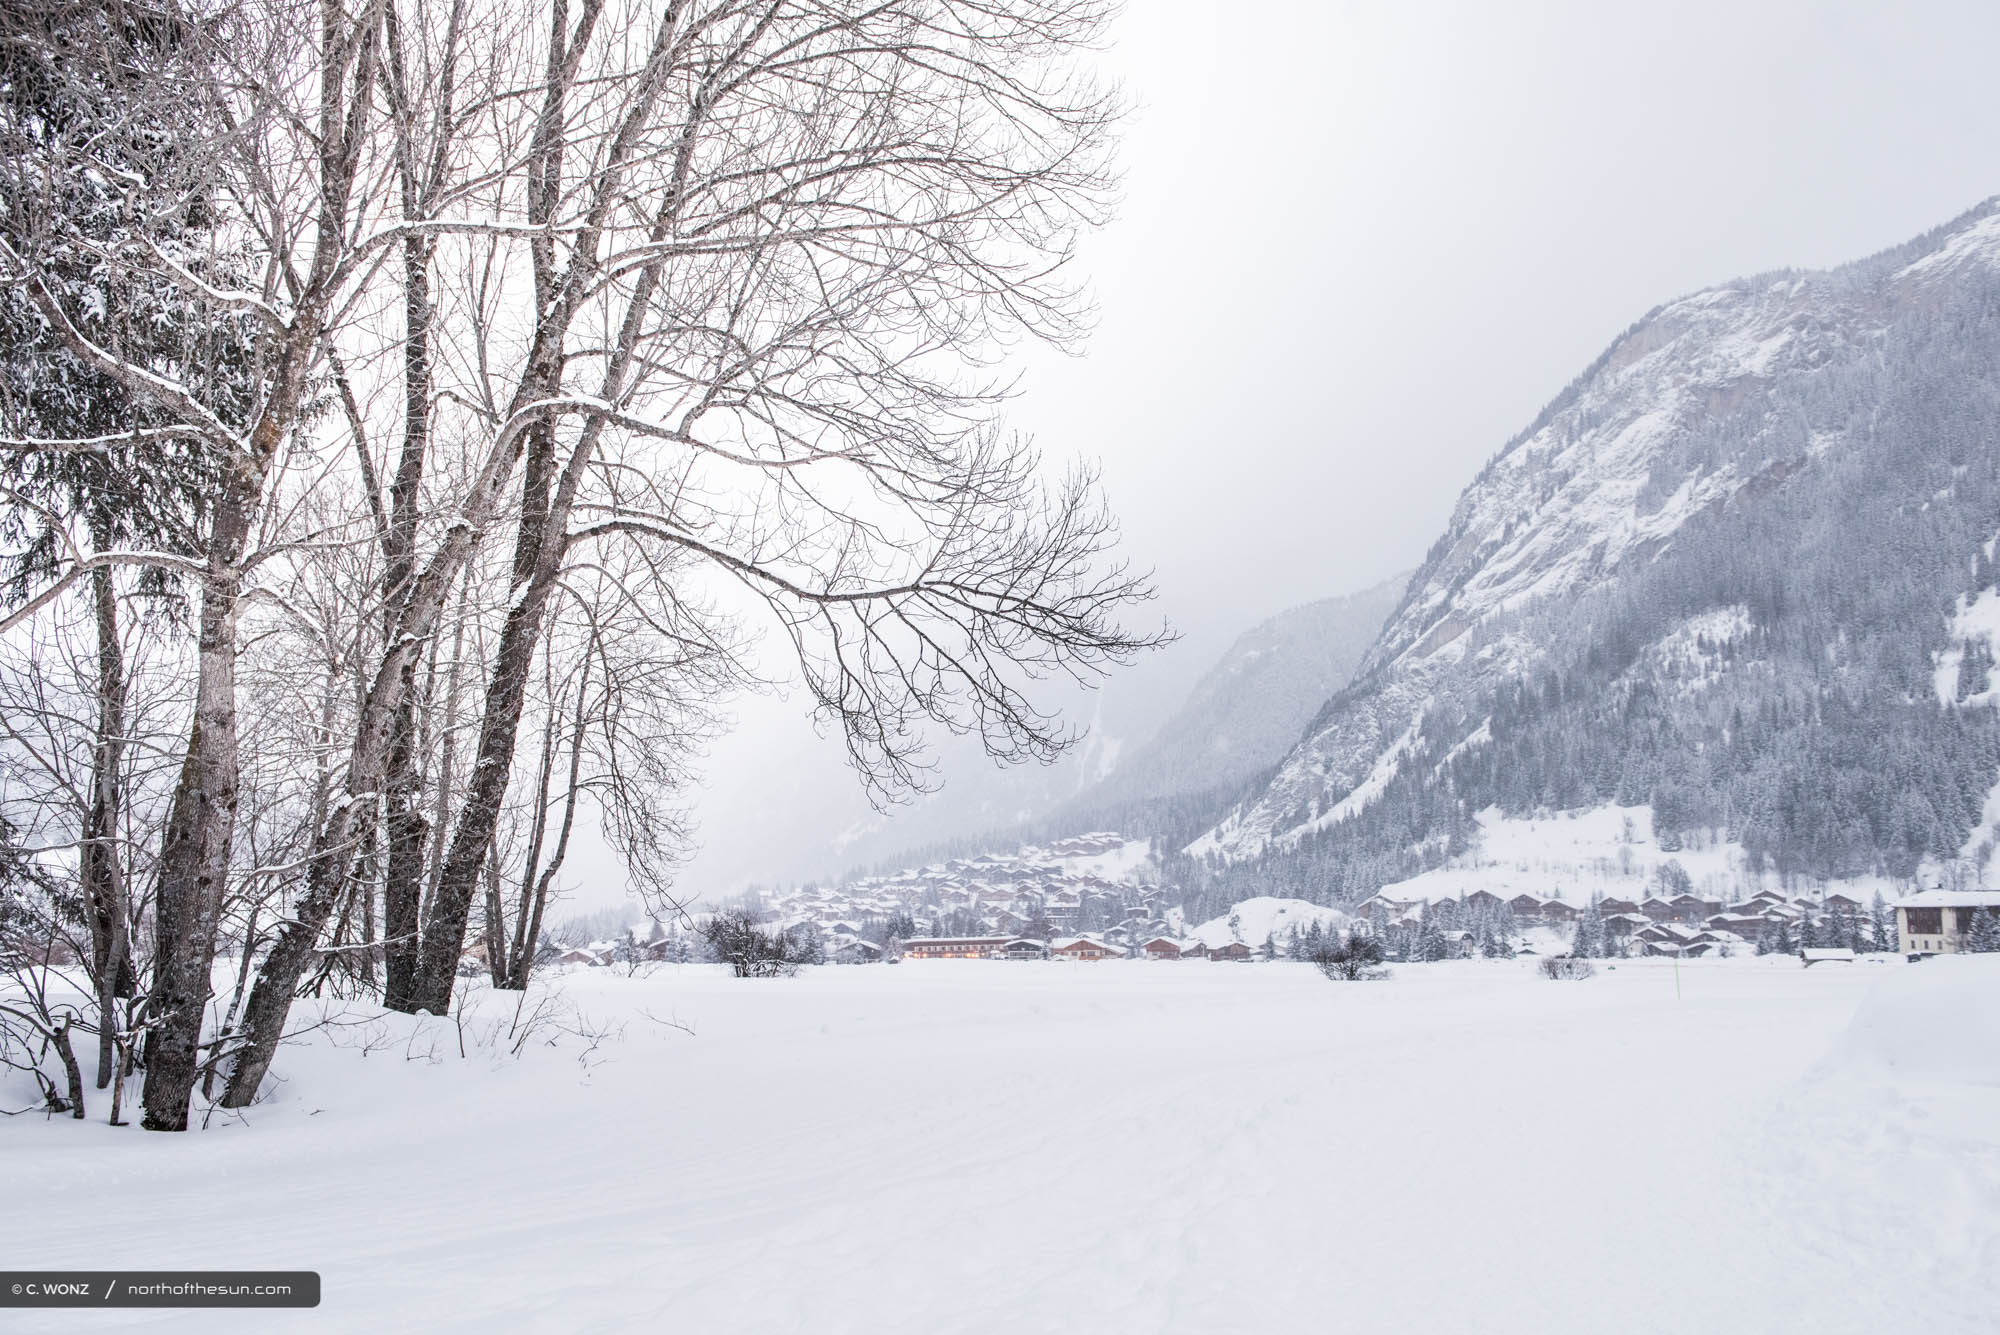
{"x":1121,"y":1147}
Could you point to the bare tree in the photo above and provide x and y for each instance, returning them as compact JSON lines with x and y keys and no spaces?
{"x":580,"y":340}
{"x":761,"y":249}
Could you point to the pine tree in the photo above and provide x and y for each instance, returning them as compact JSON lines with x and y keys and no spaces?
{"x":1589,"y":942}
{"x":1430,"y":941}
{"x":1882,"y":922}
{"x":1984,"y":936}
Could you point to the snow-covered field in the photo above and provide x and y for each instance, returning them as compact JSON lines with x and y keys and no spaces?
{"x":1125,"y":1147}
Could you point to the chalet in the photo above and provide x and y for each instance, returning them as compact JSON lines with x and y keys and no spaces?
{"x":1625,"y":924}
{"x":1459,"y":945}
{"x":1025,"y":948}
{"x":1937,"y":922}
{"x":1162,"y":948}
{"x":857,"y":952}
{"x":1083,"y":948}
{"x":1555,"y":911}
{"x":953,"y":947}
{"x":1235,"y":950}
{"x":1684,"y":950}
{"x":1693,"y":908}
{"x":1395,"y":908}
{"x":1838,"y":901}
{"x":1659,"y":910}
{"x":1194,"y":950}
{"x":1483,"y":900}
{"x":1611,"y":906}
{"x":1674,"y":939}
{"x":1741,"y":925}
{"x":577,"y":955}
{"x":1525,"y":907}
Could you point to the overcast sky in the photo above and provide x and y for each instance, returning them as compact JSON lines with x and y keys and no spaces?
{"x":1359,"y":246}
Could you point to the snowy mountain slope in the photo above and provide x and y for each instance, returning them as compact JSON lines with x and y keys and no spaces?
{"x":1241,"y":717}
{"x":1762,"y":506}
{"x":1248,"y":709}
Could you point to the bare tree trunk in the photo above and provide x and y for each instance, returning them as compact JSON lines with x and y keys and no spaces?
{"x":194,"y":856}
{"x":235,"y":1007}
{"x":533,"y":906}
{"x":443,"y":936}
{"x":103,"y":879}
{"x":407,"y":833}
{"x":368,"y":932}
{"x":498,"y":965}
{"x":71,"y":1071}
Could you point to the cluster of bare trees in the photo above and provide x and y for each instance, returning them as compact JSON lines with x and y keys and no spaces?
{"x":417,"y":409}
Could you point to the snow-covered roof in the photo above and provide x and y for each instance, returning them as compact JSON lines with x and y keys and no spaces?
{"x":1947,"y":899}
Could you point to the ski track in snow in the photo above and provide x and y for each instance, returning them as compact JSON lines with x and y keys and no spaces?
{"x":1124,"y":1147}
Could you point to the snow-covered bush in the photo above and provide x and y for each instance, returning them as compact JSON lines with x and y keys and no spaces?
{"x":1567,"y":966}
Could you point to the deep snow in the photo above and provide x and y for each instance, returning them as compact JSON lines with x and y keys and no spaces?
{"x":1132,"y":1146}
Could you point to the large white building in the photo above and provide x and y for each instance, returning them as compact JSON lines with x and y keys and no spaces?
{"x":1936,"y":922}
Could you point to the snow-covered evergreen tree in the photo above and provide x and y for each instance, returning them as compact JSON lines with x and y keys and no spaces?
{"x":1983,"y":937}
{"x":1882,"y":924}
{"x":1590,"y":939}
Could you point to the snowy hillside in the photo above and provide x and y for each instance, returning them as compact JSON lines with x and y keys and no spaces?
{"x":1748,"y":544}
{"x":1255,"y":921}
{"x":1609,"y":851}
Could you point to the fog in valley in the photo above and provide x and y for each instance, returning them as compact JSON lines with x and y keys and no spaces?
{"x":1349,"y":263}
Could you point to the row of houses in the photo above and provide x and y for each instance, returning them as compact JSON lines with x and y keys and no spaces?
{"x":1062,"y":885}
{"x":1747,"y":916}
{"x":1083,"y":949}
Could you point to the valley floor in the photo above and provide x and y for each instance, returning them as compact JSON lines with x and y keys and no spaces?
{"x":1121,"y":1147}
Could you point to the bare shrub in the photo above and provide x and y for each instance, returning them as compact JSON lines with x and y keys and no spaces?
{"x":1567,"y":966}
{"x":736,"y":939}
{"x":1357,"y":958}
